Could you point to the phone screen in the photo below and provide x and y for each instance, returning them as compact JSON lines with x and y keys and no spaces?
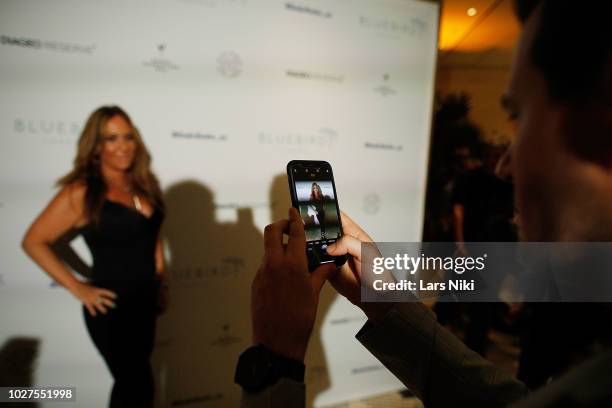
{"x":315,"y":197}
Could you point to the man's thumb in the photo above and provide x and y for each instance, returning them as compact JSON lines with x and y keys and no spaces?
{"x":346,"y":245}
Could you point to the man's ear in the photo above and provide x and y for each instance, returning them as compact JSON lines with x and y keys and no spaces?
{"x":587,"y":132}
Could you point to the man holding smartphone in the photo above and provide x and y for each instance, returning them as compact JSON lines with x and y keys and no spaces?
{"x":560,"y":96}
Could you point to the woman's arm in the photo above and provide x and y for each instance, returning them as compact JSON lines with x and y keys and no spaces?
{"x":64,"y":212}
{"x":162,"y":276}
{"x":160,"y":263}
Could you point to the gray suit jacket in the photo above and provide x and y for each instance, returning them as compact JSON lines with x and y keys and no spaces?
{"x":443,"y":372}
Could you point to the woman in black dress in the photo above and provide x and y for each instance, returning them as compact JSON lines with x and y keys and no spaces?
{"x":114,"y":199}
{"x":316,"y":208}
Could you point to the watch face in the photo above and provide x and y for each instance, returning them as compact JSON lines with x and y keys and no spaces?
{"x":253,"y":368}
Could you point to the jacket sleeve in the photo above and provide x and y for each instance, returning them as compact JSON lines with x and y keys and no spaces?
{"x":433,"y":363}
{"x":286,"y":393}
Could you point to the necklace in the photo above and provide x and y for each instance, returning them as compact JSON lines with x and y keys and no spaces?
{"x":128,"y":189}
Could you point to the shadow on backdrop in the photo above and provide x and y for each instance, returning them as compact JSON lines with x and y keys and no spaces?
{"x":17,"y":364}
{"x":211,"y":265}
{"x":317,"y":372}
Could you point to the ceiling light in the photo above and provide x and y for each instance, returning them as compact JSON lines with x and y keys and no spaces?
{"x":471,"y":12}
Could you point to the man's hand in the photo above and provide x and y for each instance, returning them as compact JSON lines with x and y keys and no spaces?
{"x":347,"y":281}
{"x":284,"y":295}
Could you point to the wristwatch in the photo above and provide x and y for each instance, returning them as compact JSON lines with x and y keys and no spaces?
{"x":259,"y":367}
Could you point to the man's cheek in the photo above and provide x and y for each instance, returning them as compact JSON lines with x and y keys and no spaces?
{"x":530,"y":177}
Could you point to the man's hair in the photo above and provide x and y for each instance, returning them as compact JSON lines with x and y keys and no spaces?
{"x":573,"y":48}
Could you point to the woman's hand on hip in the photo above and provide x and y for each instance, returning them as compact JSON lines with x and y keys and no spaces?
{"x":95,"y":299}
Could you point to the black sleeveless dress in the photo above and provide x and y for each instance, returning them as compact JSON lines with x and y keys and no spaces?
{"x":123,"y":248}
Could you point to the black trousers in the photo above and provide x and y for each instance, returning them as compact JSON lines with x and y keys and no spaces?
{"x":125,"y":338}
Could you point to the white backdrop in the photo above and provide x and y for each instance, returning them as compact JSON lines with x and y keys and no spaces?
{"x":225,"y":93}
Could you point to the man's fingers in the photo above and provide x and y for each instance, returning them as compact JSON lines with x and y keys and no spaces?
{"x":321,"y":274}
{"x":345,"y":245}
{"x":273,"y":236}
{"x":350,"y":227}
{"x":297,"y":238}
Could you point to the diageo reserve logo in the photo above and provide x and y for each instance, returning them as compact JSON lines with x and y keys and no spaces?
{"x":217,"y":3}
{"x":225,"y":338}
{"x":229,"y":64}
{"x":56,"y":46}
{"x":384,"y":88}
{"x":203,"y":136}
{"x":160,"y":63}
{"x":388,"y":25}
{"x":314,"y":76}
{"x":371,"y":203}
{"x":300,"y":8}
{"x":384,"y":146}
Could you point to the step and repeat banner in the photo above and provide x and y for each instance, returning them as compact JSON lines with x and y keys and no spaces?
{"x":225,"y":93}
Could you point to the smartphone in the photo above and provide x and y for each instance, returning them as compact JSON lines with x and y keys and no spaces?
{"x":313,"y":193}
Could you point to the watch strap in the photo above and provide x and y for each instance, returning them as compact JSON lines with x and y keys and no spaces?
{"x":258,"y":367}
{"x":286,"y":367}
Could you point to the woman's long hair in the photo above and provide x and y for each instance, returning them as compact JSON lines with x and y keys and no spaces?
{"x":313,"y":195}
{"x":87,"y":164}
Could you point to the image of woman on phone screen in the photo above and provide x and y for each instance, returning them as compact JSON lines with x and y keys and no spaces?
{"x":316,"y":207}
{"x":113,"y":199}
